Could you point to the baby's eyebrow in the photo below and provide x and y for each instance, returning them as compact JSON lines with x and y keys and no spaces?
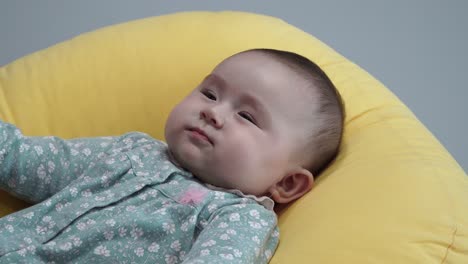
{"x":215,"y":79}
{"x":245,"y":97}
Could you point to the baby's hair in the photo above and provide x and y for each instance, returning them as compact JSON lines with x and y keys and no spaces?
{"x":324,"y":141}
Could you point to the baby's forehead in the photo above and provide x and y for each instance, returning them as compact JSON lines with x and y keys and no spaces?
{"x":272,"y":70}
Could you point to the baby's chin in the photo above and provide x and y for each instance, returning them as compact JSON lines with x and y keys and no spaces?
{"x":209,"y":177}
{"x":205,"y":173}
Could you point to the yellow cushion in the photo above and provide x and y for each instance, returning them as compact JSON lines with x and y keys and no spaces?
{"x":394,"y":195}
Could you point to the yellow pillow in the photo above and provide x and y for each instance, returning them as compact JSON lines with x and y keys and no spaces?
{"x":394,"y":194}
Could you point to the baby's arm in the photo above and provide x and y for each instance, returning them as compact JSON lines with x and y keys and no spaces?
{"x":237,"y":235}
{"x":35,"y":168}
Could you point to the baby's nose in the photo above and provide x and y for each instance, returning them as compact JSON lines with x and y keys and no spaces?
{"x":212,"y":116}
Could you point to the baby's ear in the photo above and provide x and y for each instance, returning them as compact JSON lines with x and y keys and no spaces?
{"x":292,"y":186}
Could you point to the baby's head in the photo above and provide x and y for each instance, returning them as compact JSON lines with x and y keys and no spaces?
{"x":264,"y":122}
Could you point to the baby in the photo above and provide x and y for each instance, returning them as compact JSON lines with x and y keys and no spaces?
{"x":256,"y":131}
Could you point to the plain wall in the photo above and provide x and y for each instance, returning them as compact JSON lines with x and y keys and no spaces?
{"x":416,"y":48}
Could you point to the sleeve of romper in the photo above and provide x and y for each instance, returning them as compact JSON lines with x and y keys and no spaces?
{"x":240,"y":234}
{"x":35,"y":168}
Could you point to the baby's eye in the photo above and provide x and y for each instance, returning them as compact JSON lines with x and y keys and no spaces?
{"x":247,"y":117}
{"x":209,"y":94}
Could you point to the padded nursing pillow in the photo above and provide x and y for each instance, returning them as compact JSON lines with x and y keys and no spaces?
{"x":393,"y":195}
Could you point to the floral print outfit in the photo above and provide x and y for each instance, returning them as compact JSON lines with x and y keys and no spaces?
{"x":120,"y":200}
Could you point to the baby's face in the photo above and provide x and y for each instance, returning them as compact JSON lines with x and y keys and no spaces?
{"x":242,"y":126}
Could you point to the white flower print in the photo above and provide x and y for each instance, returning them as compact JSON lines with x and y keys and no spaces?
{"x":128,"y":141}
{"x":74,"y":152}
{"x":66,"y":246}
{"x":137,"y":160}
{"x":87,"y":152}
{"x":86,"y":178}
{"x":205,"y":252}
{"x":122,"y":232}
{"x":139,"y":251}
{"x":86,"y":193}
{"x":223,"y":225}
{"x":10,"y":228}
{"x":142,"y":140}
{"x":275,"y":233}
{"x":154,"y":247}
{"x":175,"y":245}
{"x":22,"y":252}
{"x":110,"y":222}
{"x":122,"y":158}
{"x":193,"y":219}
{"x":130,"y":208}
{"x":41,"y":172}
{"x":219,"y":195}
{"x":81,"y":226}
{"x":234,"y":217}
{"x":204,"y":223}
{"x":227,"y":256}
{"x":153,"y":193}
{"x":224,"y":237}
{"x":136,"y":233}
{"x":31,"y":249}
{"x":110,"y":161}
{"x":171,"y":259}
{"x":99,"y":198}
{"x":105,"y":179}
{"x":244,"y":201}
{"x":231,"y":232}
{"x":41,"y":230}
{"x":142,"y":173}
{"x":2,"y":154}
{"x":169,"y":228}
{"x":53,"y":149}
{"x":23,"y":147}
{"x":73,"y":191}
{"x":209,"y":243}
{"x":184,"y":227}
{"x":51,"y":166}
{"x":51,"y":243}
{"x":38,"y":150}
{"x":58,"y":207}
{"x":102,"y":251}
{"x":139,"y":186}
{"x":254,"y":213}
{"x":108,"y":234}
{"x":12,"y":183}
{"x":255,"y":225}
{"x":237,"y":253}
{"x":27,"y":240}
{"x":256,"y":239}
{"x":22,"y":179}
{"x":76,"y":241}
{"x":257,"y":252}
{"x":268,"y":254}
{"x":212,"y":207}
{"x":182,"y":255}
{"x":85,"y":205}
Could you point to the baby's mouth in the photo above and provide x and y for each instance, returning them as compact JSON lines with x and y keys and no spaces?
{"x":200,"y":134}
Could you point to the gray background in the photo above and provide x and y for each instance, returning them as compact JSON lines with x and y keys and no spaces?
{"x":416,"y":48}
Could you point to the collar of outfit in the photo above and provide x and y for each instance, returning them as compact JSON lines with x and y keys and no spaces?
{"x":265,"y":201}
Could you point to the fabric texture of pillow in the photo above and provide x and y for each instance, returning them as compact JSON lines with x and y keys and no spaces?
{"x":393,"y":195}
